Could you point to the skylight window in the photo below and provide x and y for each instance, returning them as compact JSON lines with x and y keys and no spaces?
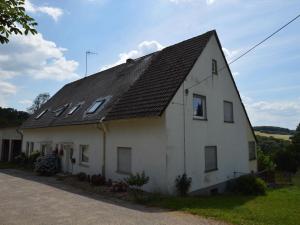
{"x":41,"y":114}
{"x":60,"y":110}
{"x":73,"y":109}
{"x":95,"y":106}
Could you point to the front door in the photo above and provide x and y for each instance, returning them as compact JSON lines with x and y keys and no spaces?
{"x":67,"y":165}
{"x":5,"y":151}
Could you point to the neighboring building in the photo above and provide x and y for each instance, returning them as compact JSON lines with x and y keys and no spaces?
{"x":175,"y":111}
{"x":10,"y":143}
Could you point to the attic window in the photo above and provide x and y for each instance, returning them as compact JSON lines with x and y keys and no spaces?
{"x":74,"y":109}
{"x":60,"y":110}
{"x":214,"y":67}
{"x":41,"y":114}
{"x":96,"y":105}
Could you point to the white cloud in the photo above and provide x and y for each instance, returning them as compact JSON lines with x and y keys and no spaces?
{"x":54,"y":12}
{"x":230,"y":54}
{"x":235,"y":74}
{"x":209,"y":2}
{"x":6,"y":89}
{"x":144,"y":48}
{"x":285,"y":113}
{"x":36,"y":57}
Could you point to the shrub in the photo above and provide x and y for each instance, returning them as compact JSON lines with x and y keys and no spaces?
{"x":137,"y":181}
{"x":82,"y":176}
{"x":32,"y":158}
{"x":264,"y":162}
{"x":183,"y":184}
{"x":21,"y":159}
{"x":47,"y":165}
{"x":249,"y":185}
{"x":286,"y":161}
{"x":97,"y":180}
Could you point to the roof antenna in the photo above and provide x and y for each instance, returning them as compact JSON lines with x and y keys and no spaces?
{"x":86,"y":60}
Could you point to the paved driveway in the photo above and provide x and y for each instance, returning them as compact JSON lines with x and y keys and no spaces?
{"x":27,"y":199}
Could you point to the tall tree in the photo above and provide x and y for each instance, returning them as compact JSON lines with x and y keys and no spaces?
{"x":14,"y":20}
{"x":38,"y":102}
{"x":296,"y":137}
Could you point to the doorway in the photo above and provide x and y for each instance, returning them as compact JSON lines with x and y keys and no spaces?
{"x":15,"y":148}
{"x":5,"y":150}
{"x":67,"y":164}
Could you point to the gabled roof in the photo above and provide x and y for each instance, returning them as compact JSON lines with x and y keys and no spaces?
{"x":142,"y":88}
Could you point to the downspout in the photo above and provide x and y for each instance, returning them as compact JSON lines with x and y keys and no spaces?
{"x":104,"y":130}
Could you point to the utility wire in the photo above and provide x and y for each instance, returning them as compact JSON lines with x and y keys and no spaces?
{"x":251,"y":49}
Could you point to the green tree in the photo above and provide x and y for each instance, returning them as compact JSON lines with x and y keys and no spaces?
{"x":40,"y":100}
{"x":296,"y":137}
{"x":14,"y":20}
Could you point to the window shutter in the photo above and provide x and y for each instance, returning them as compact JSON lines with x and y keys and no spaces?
{"x":124,"y":160}
{"x":211,"y":158}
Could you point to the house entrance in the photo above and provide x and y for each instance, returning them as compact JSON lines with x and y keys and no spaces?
{"x":67,"y":165}
{"x":5,"y":150}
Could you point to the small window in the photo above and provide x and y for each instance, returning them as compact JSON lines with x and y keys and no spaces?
{"x":73,"y":109}
{"x":252,"y":150}
{"x":199,"y":106}
{"x":31,"y":148}
{"x":60,"y":110}
{"x":124,"y":160}
{"x":41,"y":114}
{"x":84,"y":153}
{"x":211,"y":161}
{"x":214,"y":67}
{"x":228,"y":112}
{"x":95,"y":106}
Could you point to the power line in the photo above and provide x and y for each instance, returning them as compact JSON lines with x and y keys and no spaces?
{"x":251,"y":49}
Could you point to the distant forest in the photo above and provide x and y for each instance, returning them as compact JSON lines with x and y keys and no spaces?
{"x":274,"y":130}
{"x":12,"y":117}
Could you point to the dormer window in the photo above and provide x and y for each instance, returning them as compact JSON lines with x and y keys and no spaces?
{"x":74,"y":109}
{"x":214,"y":67}
{"x":41,"y":114}
{"x":60,"y":110}
{"x":96,"y":105}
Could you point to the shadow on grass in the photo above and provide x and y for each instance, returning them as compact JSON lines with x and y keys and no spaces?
{"x":59,"y":184}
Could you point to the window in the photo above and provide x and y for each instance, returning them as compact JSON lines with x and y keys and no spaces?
{"x":31,"y":148}
{"x":211,"y":163}
{"x":46,"y":148}
{"x":214,"y":67}
{"x":252,"y":150}
{"x":73,"y":109}
{"x":199,"y":106}
{"x":124,"y":160}
{"x":27,"y":148}
{"x":84,"y":153}
{"x":60,"y":110}
{"x":41,"y":114}
{"x":95,"y":106}
{"x":228,"y":112}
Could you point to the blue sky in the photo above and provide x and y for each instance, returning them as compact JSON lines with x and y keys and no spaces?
{"x":268,"y":78}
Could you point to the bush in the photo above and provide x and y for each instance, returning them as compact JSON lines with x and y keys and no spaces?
{"x":183,"y":184}
{"x":32,"y":158}
{"x":264,"y":162}
{"x":249,"y":185}
{"x":21,"y":159}
{"x":286,"y":161}
{"x":137,"y":181}
{"x":82,"y":176}
{"x":47,"y":165}
{"x":97,"y":180}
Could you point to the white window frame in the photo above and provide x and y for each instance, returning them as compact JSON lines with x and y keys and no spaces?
{"x":41,"y":114}
{"x":203,"y":100}
{"x":118,"y":160}
{"x":80,"y":154}
{"x":232,"y":111}
{"x":207,"y":148}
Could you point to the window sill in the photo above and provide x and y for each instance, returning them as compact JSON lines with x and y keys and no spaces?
{"x":82,"y":164}
{"x":123,"y":173}
{"x":212,"y":170}
{"x":199,"y":118}
{"x":228,"y":121}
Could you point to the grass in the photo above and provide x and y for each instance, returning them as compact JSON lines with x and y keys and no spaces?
{"x":278,"y":136}
{"x":278,"y":206}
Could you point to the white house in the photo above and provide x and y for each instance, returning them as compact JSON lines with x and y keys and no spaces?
{"x":10,"y":142}
{"x":174,"y":111}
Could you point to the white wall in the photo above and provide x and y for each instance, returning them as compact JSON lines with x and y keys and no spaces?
{"x":231,"y":139}
{"x":147,"y":139}
{"x":77,"y":135}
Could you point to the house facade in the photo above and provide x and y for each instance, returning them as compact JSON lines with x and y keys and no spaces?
{"x":10,"y":143}
{"x":171,"y":112}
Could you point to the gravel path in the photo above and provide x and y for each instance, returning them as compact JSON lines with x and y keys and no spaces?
{"x":27,"y":199}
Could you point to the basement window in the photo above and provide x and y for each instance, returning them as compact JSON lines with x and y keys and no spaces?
{"x":41,"y":114}
{"x":74,"y":109}
{"x":96,"y":105}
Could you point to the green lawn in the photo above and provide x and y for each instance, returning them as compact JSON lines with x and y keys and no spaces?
{"x":278,"y":207}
